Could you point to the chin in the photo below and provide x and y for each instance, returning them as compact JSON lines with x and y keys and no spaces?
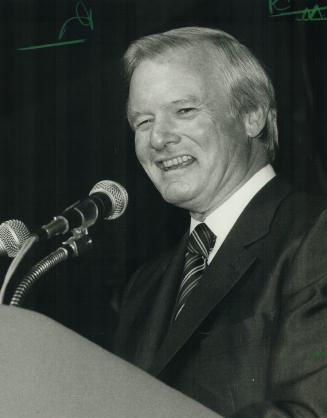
{"x":179,"y":198}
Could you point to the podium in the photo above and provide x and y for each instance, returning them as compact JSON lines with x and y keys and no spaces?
{"x":49,"y":371}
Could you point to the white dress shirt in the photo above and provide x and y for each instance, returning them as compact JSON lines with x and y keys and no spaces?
{"x":221,"y":220}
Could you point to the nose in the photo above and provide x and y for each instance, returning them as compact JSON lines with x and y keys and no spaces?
{"x":163,"y":133}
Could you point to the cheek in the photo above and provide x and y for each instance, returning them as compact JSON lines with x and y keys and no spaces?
{"x":204,"y":132}
{"x":143,"y":155}
{"x":140,"y":149}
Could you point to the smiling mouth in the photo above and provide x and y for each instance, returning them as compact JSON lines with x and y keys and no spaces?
{"x":175,"y":163}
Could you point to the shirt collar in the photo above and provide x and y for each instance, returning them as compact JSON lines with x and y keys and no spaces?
{"x":222,"y":219}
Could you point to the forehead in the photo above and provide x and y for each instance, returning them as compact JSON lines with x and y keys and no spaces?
{"x":173,"y":77}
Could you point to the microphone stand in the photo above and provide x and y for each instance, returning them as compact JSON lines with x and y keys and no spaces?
{"x":76,"y":245}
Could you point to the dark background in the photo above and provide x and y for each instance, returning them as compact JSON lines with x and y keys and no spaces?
{"x":63,"y":128}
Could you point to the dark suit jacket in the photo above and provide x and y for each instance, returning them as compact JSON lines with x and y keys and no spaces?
{"x":252,"y":339}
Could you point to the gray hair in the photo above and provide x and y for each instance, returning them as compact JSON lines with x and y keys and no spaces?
{"x":243,"y":75}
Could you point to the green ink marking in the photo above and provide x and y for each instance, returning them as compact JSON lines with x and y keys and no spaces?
{"x":308,"y":14}
{"x":86,"y":20}
{"x":272,"y":6}
{"x":320,"y":353}
{"x":55,"y":44}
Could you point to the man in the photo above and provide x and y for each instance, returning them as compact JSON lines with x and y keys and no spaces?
{"x":236,"y":315}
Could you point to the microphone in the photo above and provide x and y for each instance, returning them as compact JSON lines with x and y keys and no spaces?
{"x":13,"y":234}
{"x":107,"y":200}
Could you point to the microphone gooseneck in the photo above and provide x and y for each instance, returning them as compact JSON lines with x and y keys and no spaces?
{"x":47,"y":263}
{"x":13,"y":234}
{"x":74,"y":247}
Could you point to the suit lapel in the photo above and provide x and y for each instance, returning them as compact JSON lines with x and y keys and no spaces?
{"x":219,"y":278}
{"x":156,"y":320}
{"x":228,"y":266}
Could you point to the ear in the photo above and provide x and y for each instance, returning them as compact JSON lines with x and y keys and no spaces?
{"x":254,"y":122}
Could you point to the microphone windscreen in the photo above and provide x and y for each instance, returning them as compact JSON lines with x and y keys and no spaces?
{"x":13,"y":234}
{"x":117,"y":195}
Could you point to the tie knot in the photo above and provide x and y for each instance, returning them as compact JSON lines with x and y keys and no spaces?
{"x":201,"y":241}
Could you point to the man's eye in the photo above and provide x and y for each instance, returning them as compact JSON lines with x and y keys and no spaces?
{"x":143,"y":122}
{"x":185,"y":110}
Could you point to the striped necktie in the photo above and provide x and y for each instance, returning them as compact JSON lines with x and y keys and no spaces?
{"x":200,"y":243}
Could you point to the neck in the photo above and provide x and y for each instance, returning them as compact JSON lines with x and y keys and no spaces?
{"x":221,"y":198}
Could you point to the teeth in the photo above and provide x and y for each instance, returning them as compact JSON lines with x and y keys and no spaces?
{"x":176,"y":161}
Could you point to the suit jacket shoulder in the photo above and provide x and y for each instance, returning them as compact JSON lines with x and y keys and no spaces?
{"x":246,"y":340}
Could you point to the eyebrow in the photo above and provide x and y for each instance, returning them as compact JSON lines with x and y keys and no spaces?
{"x":187,"y":99}
{"x":131,"y":115}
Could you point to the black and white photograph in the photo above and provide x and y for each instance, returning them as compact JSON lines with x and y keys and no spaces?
{"x":163,"y":212}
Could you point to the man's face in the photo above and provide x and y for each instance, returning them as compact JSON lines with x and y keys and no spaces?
{"x":192,"y":148}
